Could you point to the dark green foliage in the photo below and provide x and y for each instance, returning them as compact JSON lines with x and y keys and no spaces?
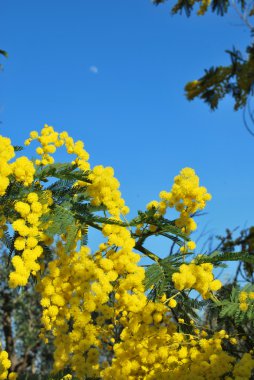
{"x":7,"y":240}
{"x":218,"y":257}
{"x":4,"y":53}
{"x":224,"y":311}
{"x":156,"y":278}
{"x":218,"y":6}
{"x":237,"y":78}
{"x":165,"y":227}
{"x":230,"y":308}
{"x":18,"y":148}
{"x":61,"y":171}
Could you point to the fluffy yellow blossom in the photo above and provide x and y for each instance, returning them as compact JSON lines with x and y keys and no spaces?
{"x":23,"y":170}
{"x":30,"y":230}
{"x":12,"y":376}
{"x":172,"y":303}
{"x":243,"y":296}
{"x":5,"y":365}
{"x":233,"y":340}
{"x":6,"y":154}
{"x":244,"y":299}
{"x":243,"y":306}
{"x":104,"y":190}
{"x":198,"y":277}
{"x":189,"y":246}
{"x":251,"y":295}
{"x":187,"y":197}
{"x":50,"y":140}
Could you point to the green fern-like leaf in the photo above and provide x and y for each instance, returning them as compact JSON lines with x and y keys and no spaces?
{"x":60,"y":219}
{"x":231,"y":308}
{"x":7,"y":240}
{"x":61,"y":171}
{"x":219,"y":257}
{"x":154,"y":275}
{"x":71,"y":234}
{"x":18,"y":148}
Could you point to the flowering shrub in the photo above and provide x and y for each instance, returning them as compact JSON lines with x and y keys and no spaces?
{"x":106,"y":316}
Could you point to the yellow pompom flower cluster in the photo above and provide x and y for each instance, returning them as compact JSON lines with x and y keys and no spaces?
{"x":50,"y":140}
{"x":76,"y":148}
{"x":187,"y":197}
{"x":188,"y":246}
{"x":30,"y":234}
{"x":148,"y":351}
{"x":75,"y":287}
{"x":244,"y":299}
{"x":104,"y":190}
{"x":6,"y":154}
{"x":23,"y":170}
{"x":5,"y":365}
{"x":198,"y":277}
{"x":172,"y":303}
{"x":144,"y":344}
{"x":67,"y":377}
{"x":129,"y":285}
{"x":79,"y":284}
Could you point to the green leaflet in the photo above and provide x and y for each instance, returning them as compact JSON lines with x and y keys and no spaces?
{"x":17,"y":148}
{"x":62,"y":222}
{"x":61,"y":171}
{"x":154,"y":275}
{"x":230,"y":308}
{"x":218,"y":257}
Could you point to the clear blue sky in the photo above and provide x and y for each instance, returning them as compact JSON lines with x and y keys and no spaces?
{"x":112,"y":74}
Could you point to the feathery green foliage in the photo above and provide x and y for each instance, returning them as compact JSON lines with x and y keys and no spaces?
{"x":235,"y":79}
